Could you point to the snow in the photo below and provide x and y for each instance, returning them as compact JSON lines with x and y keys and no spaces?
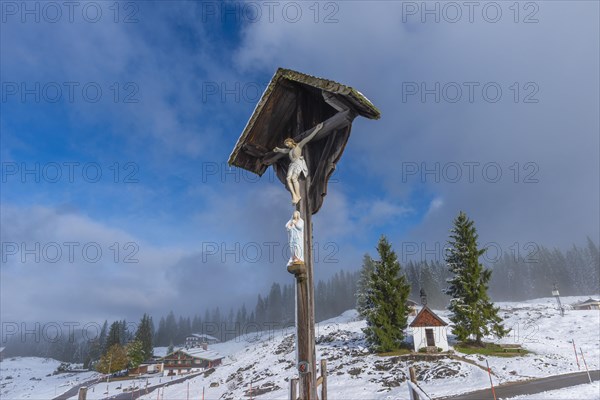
{"x":31,"y":378}
{"x":268,"y":360}
{"x":103,"y":390}
{"x":209,"y":354}
{"x":579,"y":392}
{"x":204,"y":336}
{"x":538,"y":327}
{"x":160,"y":351}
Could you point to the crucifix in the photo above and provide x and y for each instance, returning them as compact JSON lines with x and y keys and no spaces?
{"x":297,"y":164}
{"x":311,"y":117}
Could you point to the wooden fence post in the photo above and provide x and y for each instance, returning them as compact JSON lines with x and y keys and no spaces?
{"x":413,"y":378}
{"x":576,"y":357}
{"x":491,"y":382}
{"x":586,"y":367}
{"x":293,"y":386}
{"x":324,"y":377}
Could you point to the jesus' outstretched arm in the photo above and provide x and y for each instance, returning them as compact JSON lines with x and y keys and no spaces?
{"x":312,"y":135}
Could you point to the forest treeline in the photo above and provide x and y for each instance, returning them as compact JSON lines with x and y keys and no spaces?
{"x":514,"y":277}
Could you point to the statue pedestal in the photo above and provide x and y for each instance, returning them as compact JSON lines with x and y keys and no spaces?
{"x":298,"y":269}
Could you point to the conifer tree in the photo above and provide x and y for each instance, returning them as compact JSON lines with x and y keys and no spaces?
{"x":102,"y":339}
{"x":144,"y":335}
{"x":387,"y":291}
{"x":170,"y":328}
{"x":135,"y":353}
{"x":473,"y":313}
{"x":362,"y":291}
{"x":429,"y":283}
{"x":114,"y":335}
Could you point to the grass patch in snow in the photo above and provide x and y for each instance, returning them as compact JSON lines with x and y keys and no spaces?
{"x":488,"y":349}
{"x":405,"y":348}
{"x":398,"y":352}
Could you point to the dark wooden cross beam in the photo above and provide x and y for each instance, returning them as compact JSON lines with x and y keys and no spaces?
{"x":338,"y":121}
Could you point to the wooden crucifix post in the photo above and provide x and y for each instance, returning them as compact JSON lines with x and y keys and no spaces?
{"x":305,"y":306}
{"x":305,"y":315}
{"x":312,"y":117}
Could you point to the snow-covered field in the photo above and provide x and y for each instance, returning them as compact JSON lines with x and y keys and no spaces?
{"x":105,"y":390}
{"x":579,"y":392}
{"x":268,"y":361}
{"x":31,"y":378}
{"x":539,"y":328}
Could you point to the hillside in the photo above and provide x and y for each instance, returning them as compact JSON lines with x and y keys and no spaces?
{"x":268,"y":359}
{"x":35,"y":378}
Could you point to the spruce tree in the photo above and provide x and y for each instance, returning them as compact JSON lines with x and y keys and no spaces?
{"x":473,"y":313}
{"x":102,"y":340}
{"x":144,"y":335}
{"x":135,"y":353}
{"x":592,"y":268}
{"x":124,"y":334}
{"x":114,"y":335}
{"x":170,"y":328}
{"x":429,"y":283}
{"x":364,"y":282}
{"x":388,"y":291}
{"x":274,"y":304}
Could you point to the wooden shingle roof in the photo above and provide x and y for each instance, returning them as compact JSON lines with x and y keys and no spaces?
{"x":266,"y":127}
{"x":426,"y":317}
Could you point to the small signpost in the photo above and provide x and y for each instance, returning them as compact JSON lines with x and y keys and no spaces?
{"x":556,"y":295}
{"x":82,"y":395}
{"x":311,"y":117}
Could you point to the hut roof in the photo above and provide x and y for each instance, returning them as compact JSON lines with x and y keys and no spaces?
{"x":426,"y":317}
{"x":203,"y":336}
{"x":589,"y":301}
{"x":209,"y":355}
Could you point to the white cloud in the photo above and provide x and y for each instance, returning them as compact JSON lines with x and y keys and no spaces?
{"x":434,"y":205}
{"x":554,"y":140}
{"x":65,"y":265}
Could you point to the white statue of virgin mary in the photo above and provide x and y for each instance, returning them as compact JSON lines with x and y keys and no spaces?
{"x":295,"y":228}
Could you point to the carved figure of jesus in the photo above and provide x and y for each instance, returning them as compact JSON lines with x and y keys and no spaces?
{"x":295,"y":228}
{"x":297,"y":164}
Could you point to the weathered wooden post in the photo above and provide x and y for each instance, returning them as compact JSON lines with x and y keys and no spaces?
{"x":305,"y":317}
{"x":413,"y":378}
{"x":82,"y":393}
{"x":324,"y":379}
{"x":312,"y":117}
{"x":293,"y":388}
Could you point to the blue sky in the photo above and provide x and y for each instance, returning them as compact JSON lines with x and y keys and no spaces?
{"x":178,"y":82}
